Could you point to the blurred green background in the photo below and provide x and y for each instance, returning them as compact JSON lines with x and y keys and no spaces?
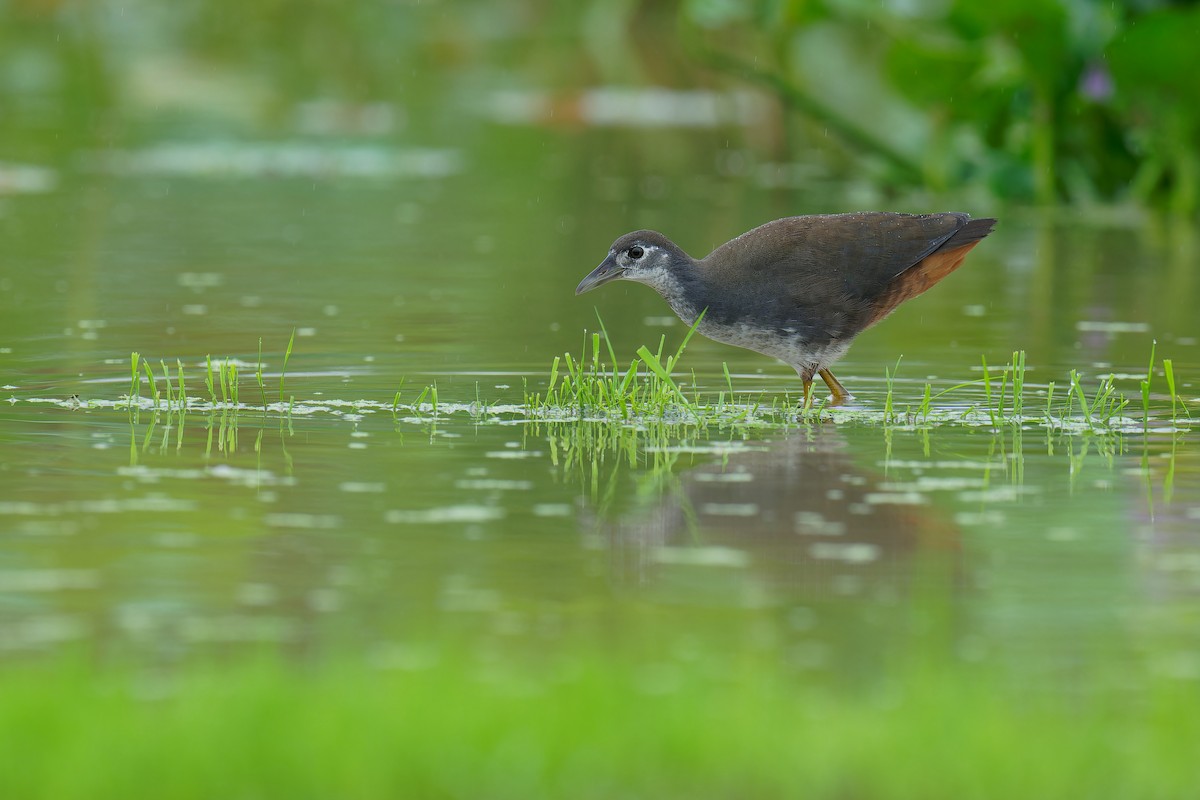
{"x":1025,"y":100}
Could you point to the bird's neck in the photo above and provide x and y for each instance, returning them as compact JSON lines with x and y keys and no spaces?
{"x":680,"y":288}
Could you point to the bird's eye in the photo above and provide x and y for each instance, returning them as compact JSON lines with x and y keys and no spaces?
{"x":636,"y":253}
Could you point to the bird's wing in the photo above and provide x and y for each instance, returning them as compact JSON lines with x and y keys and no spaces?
{"x":829,"y":272}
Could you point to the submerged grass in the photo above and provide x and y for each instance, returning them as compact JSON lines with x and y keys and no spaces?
{"x":428,"y":396}
{"x":727,"y":722}
{"x":1103,"y":408}
{"x":592,"y":389}
{"x":591,"y":386}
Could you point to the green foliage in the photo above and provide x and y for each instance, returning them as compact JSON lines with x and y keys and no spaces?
{"x":1040,"y":99}
{"x":1153,"y":66}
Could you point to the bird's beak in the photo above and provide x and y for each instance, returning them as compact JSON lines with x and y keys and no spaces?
{"x":607,"y":271}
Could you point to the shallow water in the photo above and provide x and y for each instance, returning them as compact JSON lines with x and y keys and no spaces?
{"x":448,"y":255}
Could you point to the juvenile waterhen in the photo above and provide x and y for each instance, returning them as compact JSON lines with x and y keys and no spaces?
{"x":801,"y":288}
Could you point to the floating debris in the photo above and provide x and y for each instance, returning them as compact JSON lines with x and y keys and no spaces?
{"x":1112,"y":327}
{"x":461,"y":513}
{"x":26,"y":179}
{"x":701,"y":556}
{"x":852,"y":553}
{"x":226,"y":159}
{"x":649,"y":107}
{"x":730,"y":509}
{"x":47,"y":580}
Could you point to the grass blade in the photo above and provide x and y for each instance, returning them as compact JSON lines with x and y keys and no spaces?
{"x":208,"y":380}
{"x":262,"y":390}
{"x":286,"y":357}
{"x":153,"y":383}
{"x":182,"y":388}
{"x":135,"y":383}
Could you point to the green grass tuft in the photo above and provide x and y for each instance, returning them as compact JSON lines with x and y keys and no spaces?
{"x":589,"y":386}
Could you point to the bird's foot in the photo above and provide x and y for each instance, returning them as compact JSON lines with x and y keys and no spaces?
{"x":839,"y":396}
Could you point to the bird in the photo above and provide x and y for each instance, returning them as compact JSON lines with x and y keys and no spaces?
{"x":798,"y":289}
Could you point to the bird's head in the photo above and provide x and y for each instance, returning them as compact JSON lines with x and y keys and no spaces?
{"x":643,"y":256}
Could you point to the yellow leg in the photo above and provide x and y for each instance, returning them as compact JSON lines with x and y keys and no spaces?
{"x":807,"y":393}
{"x":840,"y":395}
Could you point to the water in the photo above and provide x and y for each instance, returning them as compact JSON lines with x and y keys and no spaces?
{"x":445,"y":252}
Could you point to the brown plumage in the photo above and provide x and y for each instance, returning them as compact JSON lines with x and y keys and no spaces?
{"x":801,"y":288}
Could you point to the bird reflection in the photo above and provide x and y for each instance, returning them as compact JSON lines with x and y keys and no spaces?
{"x":796,"y":518}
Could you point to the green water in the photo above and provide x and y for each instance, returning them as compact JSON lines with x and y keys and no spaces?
{"x":148,"y":530}
{"x":444,"y":251}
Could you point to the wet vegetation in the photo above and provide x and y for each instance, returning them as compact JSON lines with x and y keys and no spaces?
{"x":653,"y":389}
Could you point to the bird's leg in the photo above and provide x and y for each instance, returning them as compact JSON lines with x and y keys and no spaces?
{"x":807,"y":392}
{"x":840,"y":395}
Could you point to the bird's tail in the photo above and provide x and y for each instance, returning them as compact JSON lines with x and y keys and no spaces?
{"x":972,"y":232}
{"x":925,"y":273}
